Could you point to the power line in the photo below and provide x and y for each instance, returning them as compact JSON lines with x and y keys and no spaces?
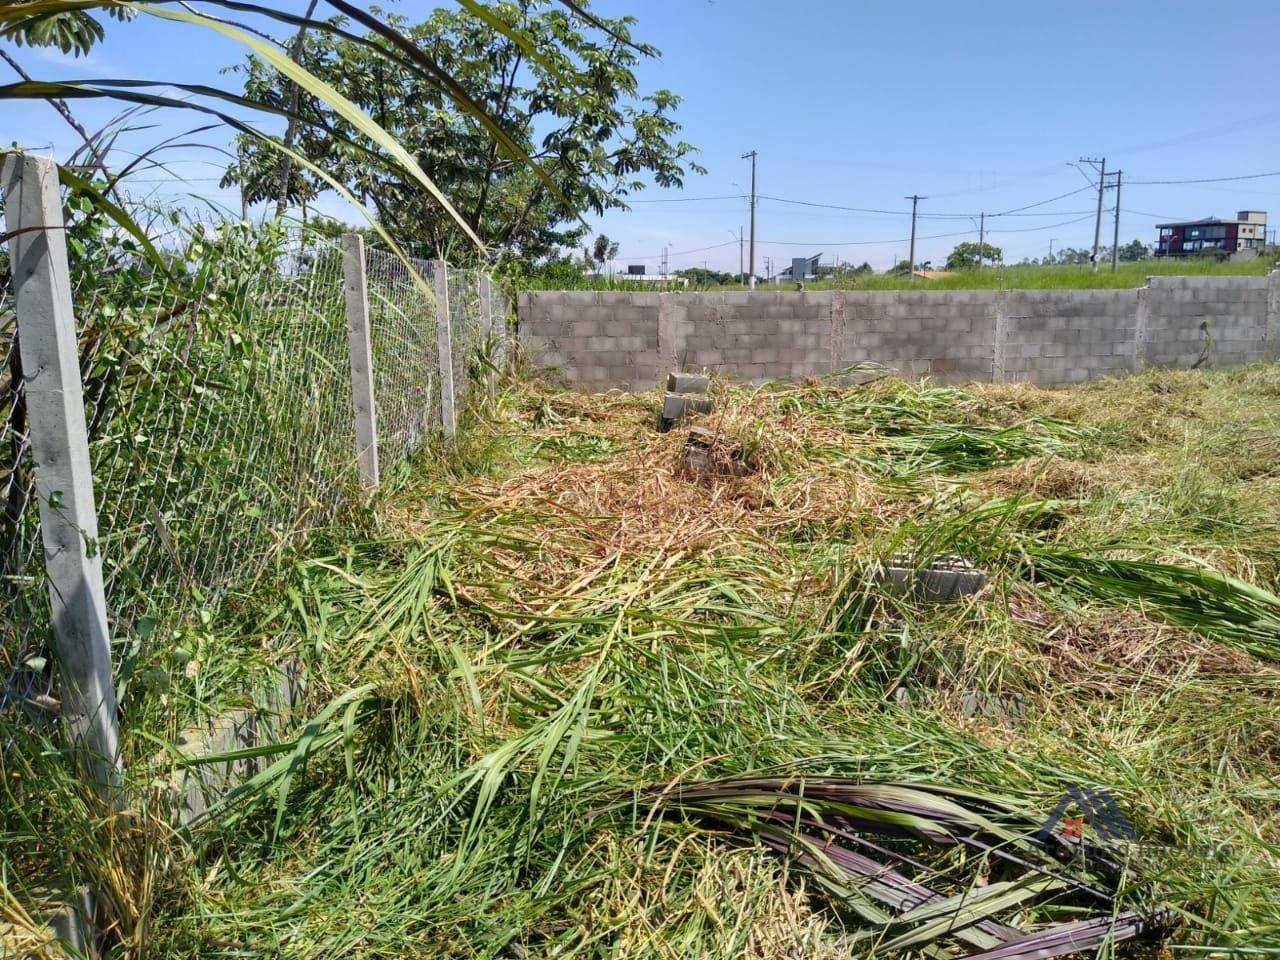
{"x":676,"y":253}
{"x":728,"y":196}
{"x":1041,"y":203}
{"x":1017,"y":211}
{"x":1247,"y":176}
{"x":1157,"y":216}
{"x":813,"y":244}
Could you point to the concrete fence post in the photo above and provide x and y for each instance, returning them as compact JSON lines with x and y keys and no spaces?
{"x":63,"y":476}
{"x":1000,"y":339}
{"x":1272,"y":347}
{"x":1141,"y":321}
{"x":360,"y":346}
{"x":484,"y":288}
{"x":444,"y":348}
{"x":838,"y":300}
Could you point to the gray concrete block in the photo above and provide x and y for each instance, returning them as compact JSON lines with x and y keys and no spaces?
{"x":688,"y":383}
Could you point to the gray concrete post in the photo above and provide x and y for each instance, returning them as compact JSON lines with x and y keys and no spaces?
{"x":63,"y":476}
{"x":360,"y":347}
{"x":484,"y":288}
{"x":838,"y":301}
{"x":1000,"y":339}
{"x":1272,"y":348}
{"x":1141,"y":321}
{"x":444,"y":348}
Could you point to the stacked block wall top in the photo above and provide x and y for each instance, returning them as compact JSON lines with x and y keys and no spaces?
{"x":630,"y":340}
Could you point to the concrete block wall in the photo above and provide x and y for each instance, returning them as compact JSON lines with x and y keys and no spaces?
{"x":1060,"y":337}
{"x":1226,"y":319}
{"x":949,"y":335}
{"x":754,"y":336}
{"x":598,"y":341}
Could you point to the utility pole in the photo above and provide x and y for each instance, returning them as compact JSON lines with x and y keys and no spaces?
{"x":1101,"y":165}
{"x":1115,"y":243}
{"x":740,"y":264}
{"x":1052,"y":241}
{"x":982,"y":230}
{"x":752,"y":156}
{"x":911,"y":257}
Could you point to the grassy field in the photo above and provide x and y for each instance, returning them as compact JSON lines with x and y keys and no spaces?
{"x":523,"y":669}
{"x":990,"y":278}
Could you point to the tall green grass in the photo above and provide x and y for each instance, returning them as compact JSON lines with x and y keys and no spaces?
{"x":1011,"y":277}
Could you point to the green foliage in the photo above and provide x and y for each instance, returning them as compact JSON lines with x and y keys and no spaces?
{"x":72,"y":31}
{"x":602,"y":251}
{"x":966,"y":255}
{"x":576,"y":108}
{"x":1212,"y":255}
{"x":561,"y":271}
{"x":1041,"y":277}
{"x":1135,"y":250}
{"x":702,"y":277}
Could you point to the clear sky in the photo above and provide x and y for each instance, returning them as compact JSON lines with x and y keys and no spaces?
{"x":978,"y":107}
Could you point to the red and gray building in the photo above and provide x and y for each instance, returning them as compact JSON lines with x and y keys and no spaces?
{"x":1246,"y":232}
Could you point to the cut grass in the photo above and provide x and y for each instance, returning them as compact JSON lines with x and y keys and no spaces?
{"x":540,"y":649}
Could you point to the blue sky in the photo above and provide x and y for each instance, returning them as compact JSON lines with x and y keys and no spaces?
{"x":979,"y":107}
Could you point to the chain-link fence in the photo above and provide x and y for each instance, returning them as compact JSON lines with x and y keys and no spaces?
{"x":24,"y":618}
{"x":228,"y":431}
{"x":468,"y":335}
{"x":402,"y":335}
{"x":219,"y":411}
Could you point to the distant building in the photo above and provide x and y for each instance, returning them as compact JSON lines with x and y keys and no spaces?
{"x":802,"y":268}
{"x":636,"y":274}
{"x":1246,"y":232}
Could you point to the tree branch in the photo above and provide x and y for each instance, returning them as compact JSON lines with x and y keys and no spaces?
{"x":291,"y":131}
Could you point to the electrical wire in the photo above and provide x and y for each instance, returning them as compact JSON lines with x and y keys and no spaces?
{"x":731,"y":196}
{"x":932,"y":236}
{"x":1016,"y":211}
{"x":1247,"y":176}
{"x":678,"y":253}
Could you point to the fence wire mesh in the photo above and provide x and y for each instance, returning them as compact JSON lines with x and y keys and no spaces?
{"x":402,"y":334}
{"x":227,"y":431}
{"x":218,"y":405}
{"x":24,"y":662}
{"x":467,"y":335}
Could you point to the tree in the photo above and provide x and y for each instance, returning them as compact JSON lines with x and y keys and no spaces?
{"x":602,"y":251}
{"x":1134,"y":250}
{"x":572,"y":102}
{"x":701,"y":277}
{"x":70,"y":26}
{"x":965,"y":255}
